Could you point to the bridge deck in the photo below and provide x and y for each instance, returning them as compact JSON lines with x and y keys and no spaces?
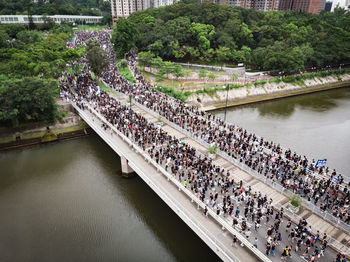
{"x":317,"y":222}
{"x":278,"y":199}
{"x":205,"y":227}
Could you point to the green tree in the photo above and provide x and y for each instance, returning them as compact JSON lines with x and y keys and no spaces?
{"x":97,"y":57}
{"x":167,"y":68}
{"x":48,"y":24}
{"x":144,"y":58}
{"x":4,"y":39}
{"x":107,"y":19}
{"x":223,"y":54}
{"x":27,"y":100}
{"x":156,"y":47}
{"x":29,"y":37}
{"x":124,"y":37}
{"x":177,"y":71}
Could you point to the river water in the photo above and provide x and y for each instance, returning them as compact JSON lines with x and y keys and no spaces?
{"x":67,"y":202}
{"x":315,"y":125}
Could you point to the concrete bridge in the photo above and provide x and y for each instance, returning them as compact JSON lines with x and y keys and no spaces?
{"x":213,"y":230}
{"x":216,"y":231}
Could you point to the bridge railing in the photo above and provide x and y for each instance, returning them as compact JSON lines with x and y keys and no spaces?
{"x":181,"y":187}
{"x":325,"y":215}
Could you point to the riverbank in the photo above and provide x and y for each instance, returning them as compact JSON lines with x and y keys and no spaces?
{"x":69,"y":127}
{"x":267,"y":91}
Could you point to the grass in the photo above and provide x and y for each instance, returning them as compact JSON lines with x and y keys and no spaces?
{"x":90,"y":27}
{"x":103,"y":86}
{"x":170,"y":91}
{"x":125,"y":72}
{"x":100,"y":83}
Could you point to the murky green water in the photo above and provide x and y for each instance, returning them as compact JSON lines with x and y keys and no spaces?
{"x":316,"y":125}
{"x":66,"y":202}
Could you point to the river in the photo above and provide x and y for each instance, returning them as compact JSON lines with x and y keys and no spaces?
{"x":66,"y":202}
{"x":316,"y":125}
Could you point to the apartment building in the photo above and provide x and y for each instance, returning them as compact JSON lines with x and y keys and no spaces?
{"x":123,"y":8}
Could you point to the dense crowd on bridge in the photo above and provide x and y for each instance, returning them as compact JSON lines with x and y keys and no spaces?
{"x":213,"y":185}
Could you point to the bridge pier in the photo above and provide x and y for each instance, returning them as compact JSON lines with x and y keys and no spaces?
{"x":127,"y":171}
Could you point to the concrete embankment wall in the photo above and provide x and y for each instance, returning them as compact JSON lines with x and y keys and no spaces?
{"x":33,"y":134}
{"x":269,"y":91}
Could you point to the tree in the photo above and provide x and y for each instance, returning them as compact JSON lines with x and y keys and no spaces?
{"x":124,"y":37}
{"x":177,"y":71}
{"x":4,"y":39}
{"x":167,"y":68}
{"x":144,"y":58}
{"x":29,"y":37}
{"x":107,"y":19}
{"x":48,"y":24}
{"x":223,"y":54}
{"x":27,"y":100}
{"x":156,"y":47}
{"x":97,"y":57}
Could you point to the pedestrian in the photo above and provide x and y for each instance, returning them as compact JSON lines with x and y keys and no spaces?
{"x":256,"y":242}
{"x":234,"y":241}
{"x":205,"y":211}
{"x":273,"y":248}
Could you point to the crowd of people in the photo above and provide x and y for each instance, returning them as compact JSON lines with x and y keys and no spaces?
{"x":212,"y":184}
{"x":322,"y":186}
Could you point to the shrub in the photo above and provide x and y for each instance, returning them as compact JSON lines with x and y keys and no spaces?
{"x":123,"y":63}
{"x":295,"y":200}
{"x":170,"y":91}
{"x":260,"y":82}
{"x":235,"y":86}
{"x":213,"y":149}
{"x":275,"y":80}
{"x":289,"y":79}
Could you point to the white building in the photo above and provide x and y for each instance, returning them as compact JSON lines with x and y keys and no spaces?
{"x":160,"y":3}
{"x":38,"y":19}
{"x":340,"y":3}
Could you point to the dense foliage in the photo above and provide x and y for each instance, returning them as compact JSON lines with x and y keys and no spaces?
{"x":97,"y":57}
{"x":31,"y":61}
{"x":26,"y":100}
{"x":31,"y":53}
{"x":54,"y":7}
{"x":274,"y":40}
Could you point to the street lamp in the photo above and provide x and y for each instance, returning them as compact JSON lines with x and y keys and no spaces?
{"x":130,"y":100}
{"x":227,"y":88}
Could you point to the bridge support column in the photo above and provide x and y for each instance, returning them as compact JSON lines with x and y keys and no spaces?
{"x":126,"y":169}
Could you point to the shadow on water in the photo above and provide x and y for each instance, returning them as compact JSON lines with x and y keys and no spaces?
{"x":67,"y":202}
